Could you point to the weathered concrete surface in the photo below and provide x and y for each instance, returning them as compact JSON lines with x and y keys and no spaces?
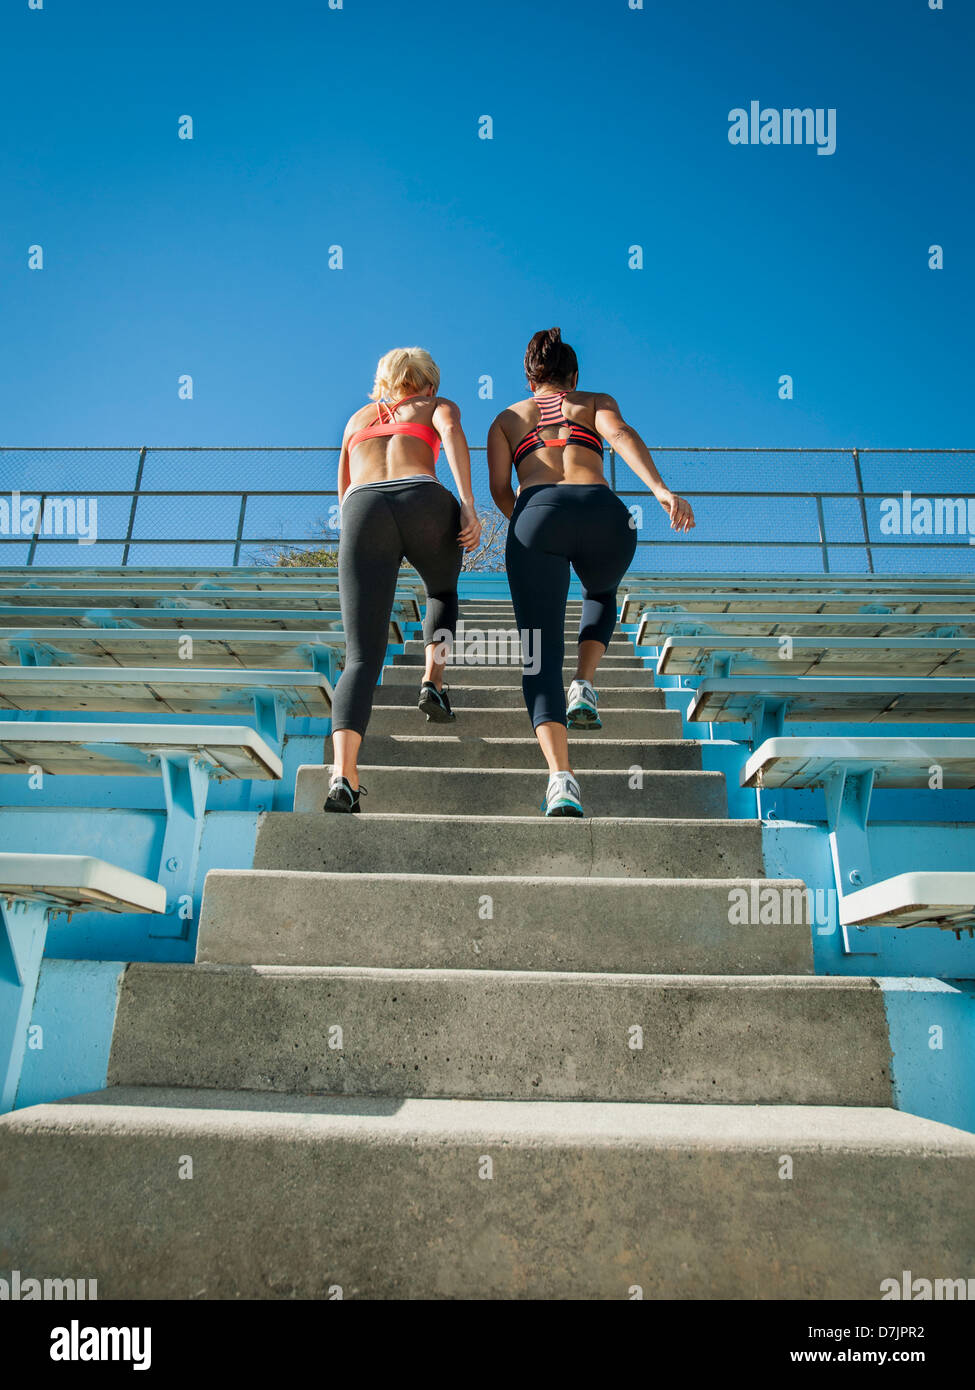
{"x":475,"y":719}
{"x":389,"y":1200}
{"x":494,"y":791}
{"x":606,"y":847}
{"x":488,"y":1034}
{"x":503,"y":692}
{"x":652,"y":925}
{"x":414,"y":651}
{"x":402,"y":674}
{"x":433,"y":751}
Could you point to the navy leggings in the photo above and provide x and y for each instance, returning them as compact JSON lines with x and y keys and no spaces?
{"x":555,"y":526}
{"x":382,"y":526}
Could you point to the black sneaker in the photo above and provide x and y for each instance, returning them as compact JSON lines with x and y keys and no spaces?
{"x":434,"y":704}
{"x":342,"y":797}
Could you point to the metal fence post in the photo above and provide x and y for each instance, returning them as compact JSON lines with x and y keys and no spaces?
{"x":135,"y":503}
{"x":822,"y":532}
{"x":863,"y":510}
{"x":240,"y":528}
{"x":37,"y":530}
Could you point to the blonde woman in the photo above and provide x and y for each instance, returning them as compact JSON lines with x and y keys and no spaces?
{"x":393,"y":508}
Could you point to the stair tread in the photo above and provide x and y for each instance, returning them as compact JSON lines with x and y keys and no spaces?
{"x":526,"y":1123}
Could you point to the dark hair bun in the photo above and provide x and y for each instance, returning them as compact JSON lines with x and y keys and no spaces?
{"x":549,"y":359}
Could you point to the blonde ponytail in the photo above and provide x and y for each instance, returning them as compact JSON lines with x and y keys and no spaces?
{"x":404,"y":372}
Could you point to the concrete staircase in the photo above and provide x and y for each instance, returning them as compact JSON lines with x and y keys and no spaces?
{"x":449,"y":1049}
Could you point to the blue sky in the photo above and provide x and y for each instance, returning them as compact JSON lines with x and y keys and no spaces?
{"x":358,"y":127}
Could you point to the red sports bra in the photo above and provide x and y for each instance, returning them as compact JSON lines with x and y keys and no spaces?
{"x":551,"y":413}
{"x":387,"y":424}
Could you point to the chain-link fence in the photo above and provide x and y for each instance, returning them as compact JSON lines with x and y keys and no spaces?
{"x":781,"y":510}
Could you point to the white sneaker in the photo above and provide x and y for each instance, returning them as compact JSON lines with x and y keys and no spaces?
{"x":563,"y":797}
{"x":582,"y":712}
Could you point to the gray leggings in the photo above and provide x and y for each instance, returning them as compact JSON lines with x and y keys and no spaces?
{"x":381,"y":526}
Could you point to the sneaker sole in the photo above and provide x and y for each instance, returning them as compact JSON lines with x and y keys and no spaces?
{"x":575,"y":812}
{"x":583,"y":719}
{"x":435,"y":713}
{"x":342,"y":810}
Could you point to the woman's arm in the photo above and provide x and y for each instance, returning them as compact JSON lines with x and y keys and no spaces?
{"x":446,"y":420}
{"x":631,"y":448}
{"x":499,"y":468}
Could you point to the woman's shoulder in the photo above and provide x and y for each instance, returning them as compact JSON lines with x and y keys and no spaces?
{"x":517,"y":407}
{"x":361,"y":417}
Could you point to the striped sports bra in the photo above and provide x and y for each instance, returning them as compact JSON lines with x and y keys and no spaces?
{"x":550,"y":413}
{"x":386,"y":423}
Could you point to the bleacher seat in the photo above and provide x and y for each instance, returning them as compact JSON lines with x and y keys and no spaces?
{"x":805,"y":656}
{"x":133,"y":750}
{"x":217,"y":648}
{"x":766,"y":701}
{"x":715,"y":590}
{"x":848,"y":769}
{"x":313,"y":599}
{"x":270,"y":696}
{"x":701,"y":613}
{"x":31,"y":887}
{"x":75,"y":883}
{"x":188,"y":619}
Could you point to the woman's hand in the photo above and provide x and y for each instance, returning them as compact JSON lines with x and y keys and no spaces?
{"x":678,"y":509}
{"x":470,"y":527}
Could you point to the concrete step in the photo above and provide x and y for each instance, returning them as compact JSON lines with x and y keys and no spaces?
{"x":621,"y":643}
{"x":432,"y":1199}
{"x":504,"y":612}
{"x":503,"y":1034}
{"x":504,"y":692}
{"x":598,"y":847}
{"x":399,"y":673}
{"x":674,"y":926}
{"x":453,"y":750}
{"x":413,"y":655}
{"x":452,"y":791}
{"x":477,"y":720}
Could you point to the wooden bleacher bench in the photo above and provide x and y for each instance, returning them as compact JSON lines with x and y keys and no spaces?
{"x":189,"y":577}
{"x":269,"y":695}
{"x":77,"y":883}
{"x":715,"y":590}
{"x":186,"y":757}
{"x":848,"y":769}
{"x":767,"y":701}
{"x":655,"y":628}
{"x":708,"y":609}
{"x":405,"y":608}
{"x":215,"y":648}
{"x":184,"y":581}
{"x":809,"y":656}
{"x":188,"y":619}
{"x":134,"y":750}
{"x":896,"y":762}
{"x":31,"y":887}
{"x":730,"y":579}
